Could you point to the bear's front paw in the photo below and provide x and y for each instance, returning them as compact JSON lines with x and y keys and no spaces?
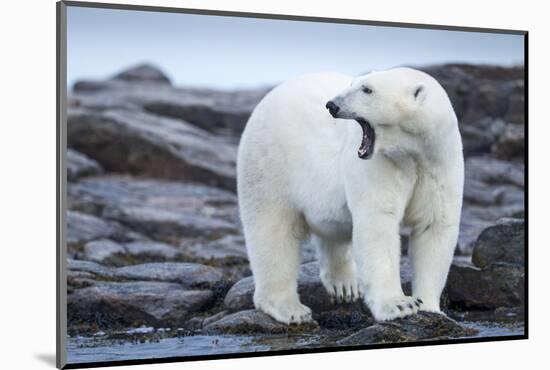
{"x":394,"y":308}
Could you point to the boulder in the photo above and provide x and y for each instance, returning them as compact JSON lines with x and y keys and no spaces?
{"x":497,"y":285}
{"x":503,"y":242}
{"x":122,"y":304}
{"x":132,"y":141}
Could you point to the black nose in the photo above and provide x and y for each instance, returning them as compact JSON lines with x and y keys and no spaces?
{"x":332,"y":108}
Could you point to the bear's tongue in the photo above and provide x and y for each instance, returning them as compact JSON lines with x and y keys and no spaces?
{"x":367,"y":142}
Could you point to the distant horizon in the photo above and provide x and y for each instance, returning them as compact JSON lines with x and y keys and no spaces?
{"x":221,"y":52}
{"x":266,"y":85}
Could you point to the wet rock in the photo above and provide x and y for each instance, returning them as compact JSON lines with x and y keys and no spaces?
{"x":503,"y":242}
{"x":380,"y":333}
{"x":102,"y":249}
{"x":131,"y":141}
{"x":252,"y":322}
{"x":82,"y":228}
{"x":239,"y":297}
{"x":116,"y":304}
{"x":497,"y":285}
{"x":423,"y":326}
{"x":211,"y":319}
{"x":343,"y":318}
{"x":79,"y":165}
{"x":511,"y":315}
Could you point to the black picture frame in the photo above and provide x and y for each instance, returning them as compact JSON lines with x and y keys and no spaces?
{"x":61,"y":186}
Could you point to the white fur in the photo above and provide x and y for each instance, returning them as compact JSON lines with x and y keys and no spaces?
{"x":299,"y":176}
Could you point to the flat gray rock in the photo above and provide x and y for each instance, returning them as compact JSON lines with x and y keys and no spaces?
{"x":79,"y":165}
{"x":189,"y":275}
{"x":153,"y":249}
{"x":102,"y":249}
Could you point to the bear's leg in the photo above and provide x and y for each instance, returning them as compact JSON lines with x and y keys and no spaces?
{"x":431,"y":251}
{"x":337,"y":270}
{"x":376,"y":248}
{"x":273,"y":238}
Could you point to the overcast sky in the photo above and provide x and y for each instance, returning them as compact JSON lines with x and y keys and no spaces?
{"x":231,"y":52}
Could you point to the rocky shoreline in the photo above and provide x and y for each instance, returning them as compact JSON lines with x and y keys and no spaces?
{"x":153,"y":232}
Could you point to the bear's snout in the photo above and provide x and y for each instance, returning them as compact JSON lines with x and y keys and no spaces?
{"x":332,"y":108}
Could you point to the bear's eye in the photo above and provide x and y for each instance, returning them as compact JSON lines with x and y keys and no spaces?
{"x":367,"y":90}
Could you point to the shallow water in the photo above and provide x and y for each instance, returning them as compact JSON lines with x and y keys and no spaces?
{"x":102,"y":348}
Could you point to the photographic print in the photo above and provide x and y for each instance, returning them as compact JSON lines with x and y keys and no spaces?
{"x":239,"y":184}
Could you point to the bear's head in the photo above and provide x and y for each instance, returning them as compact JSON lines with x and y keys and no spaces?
{"x":400,"y":110}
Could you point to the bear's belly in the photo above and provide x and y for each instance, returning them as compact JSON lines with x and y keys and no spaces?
{"x":335,"y":224}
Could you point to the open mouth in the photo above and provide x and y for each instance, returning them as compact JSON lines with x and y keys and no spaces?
{"x":367,"y":142}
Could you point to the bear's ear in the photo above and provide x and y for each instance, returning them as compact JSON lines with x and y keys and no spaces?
{"x":419,"y":93}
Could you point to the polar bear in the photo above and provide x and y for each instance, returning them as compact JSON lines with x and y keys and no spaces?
{"x":386,"y":152}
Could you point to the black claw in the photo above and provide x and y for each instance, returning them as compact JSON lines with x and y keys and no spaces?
{"x":419,"y":300}
{"x":410,"y":306}
{"x":400,"y":307}
{"x":416,"y":303}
